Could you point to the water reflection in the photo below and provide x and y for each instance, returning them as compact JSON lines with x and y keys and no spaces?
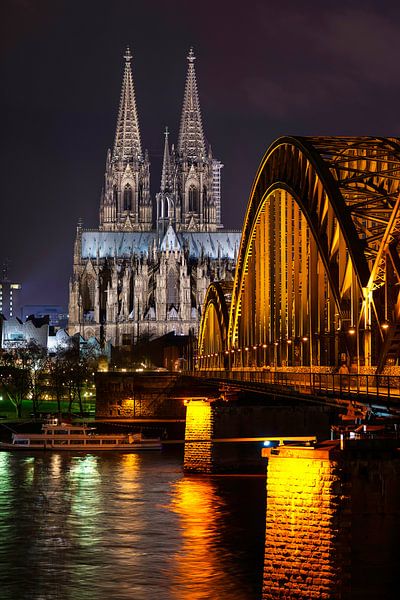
{"x":89,"y":527}
{"x":199,"y":566}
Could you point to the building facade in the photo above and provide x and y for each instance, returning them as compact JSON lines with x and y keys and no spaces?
{"x":10,"y":300}
{"x":145,"y":270}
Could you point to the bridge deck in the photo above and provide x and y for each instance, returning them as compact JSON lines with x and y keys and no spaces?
{"x":378,"y":392}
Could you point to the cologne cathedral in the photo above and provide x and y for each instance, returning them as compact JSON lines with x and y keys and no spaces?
{"x":145,"y":270}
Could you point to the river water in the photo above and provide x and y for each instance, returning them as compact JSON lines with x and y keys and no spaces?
{"x":127,"y":526}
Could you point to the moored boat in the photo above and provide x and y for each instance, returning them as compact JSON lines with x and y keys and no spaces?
{"x":65,"y":436}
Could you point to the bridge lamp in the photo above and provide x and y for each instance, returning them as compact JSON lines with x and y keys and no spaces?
{"x":264,"y":345}
{"x":226,"y":352}
{"x":289,"y":341}
{"x":385,"y":324}
{"x":247,"y":348}
{"x":352,"y":330}
{"x":232,"y":352}
{"x":276,"y":343}
{"x":271,"y":443}
{"x":254,"y":347}
{"x":304,"y":338}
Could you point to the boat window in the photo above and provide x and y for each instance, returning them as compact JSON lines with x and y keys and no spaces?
{"x":109,"y":441}
{"x":75,"y":431}
{"x":92,"y":441}
{"x":61,"y":442}
{"x":21,"y":442}
{"x":76,"y":441}
{"x":61,"y":431}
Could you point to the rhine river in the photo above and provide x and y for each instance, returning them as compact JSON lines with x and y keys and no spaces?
{"x":127,"y":526}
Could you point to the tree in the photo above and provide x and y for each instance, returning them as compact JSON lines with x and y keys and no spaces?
{"x":22,"y":375}
{"x":36,"y":361}
{"x":57,"y":376}
{"x":70,"y":371}
{"x":15,"y":382}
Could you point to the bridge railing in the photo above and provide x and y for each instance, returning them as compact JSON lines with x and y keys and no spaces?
{"x":370,"y":388}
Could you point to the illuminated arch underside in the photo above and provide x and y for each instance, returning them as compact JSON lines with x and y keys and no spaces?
{"x":214,"y":325}
{"x":318,"y":254}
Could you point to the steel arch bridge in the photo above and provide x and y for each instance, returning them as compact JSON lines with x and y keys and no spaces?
{"x":317,"y":280}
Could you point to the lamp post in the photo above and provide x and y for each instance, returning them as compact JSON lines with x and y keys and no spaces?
{"x":265,"y":354}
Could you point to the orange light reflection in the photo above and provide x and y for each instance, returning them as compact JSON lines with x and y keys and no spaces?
{"x":198,"y":566}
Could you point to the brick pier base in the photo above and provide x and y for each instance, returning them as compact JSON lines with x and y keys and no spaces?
{"x":333,"y":522}
{"x":199,"y":431}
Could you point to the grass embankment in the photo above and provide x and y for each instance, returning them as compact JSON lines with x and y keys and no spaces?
{"x":8,"y":412}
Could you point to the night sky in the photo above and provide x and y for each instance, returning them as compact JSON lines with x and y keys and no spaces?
{"x":264,"y":69}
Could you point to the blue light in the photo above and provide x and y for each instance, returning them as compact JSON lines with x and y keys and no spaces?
{"x":271,"y":443}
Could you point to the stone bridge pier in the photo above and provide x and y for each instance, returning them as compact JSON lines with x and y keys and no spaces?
{"x":333,"y":521}
{"x":223,"y":437}
{"x":332,"y":528}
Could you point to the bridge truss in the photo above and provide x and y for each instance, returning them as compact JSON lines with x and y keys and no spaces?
{"x":318,"y":273}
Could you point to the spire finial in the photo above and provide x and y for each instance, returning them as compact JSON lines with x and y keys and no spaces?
{"x":127,"y":145}
{"x":128,"y":55}
{"x":166,"y":175}
{"x":191,"y":136}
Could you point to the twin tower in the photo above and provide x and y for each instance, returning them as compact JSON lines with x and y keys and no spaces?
{"x":189,"y":196}
{"x":144,"y":272}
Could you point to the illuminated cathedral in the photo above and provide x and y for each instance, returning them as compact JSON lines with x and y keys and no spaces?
{"x":145,"y":270}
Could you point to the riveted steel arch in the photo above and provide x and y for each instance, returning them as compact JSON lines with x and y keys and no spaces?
{"x":347,"y":192}
{"x":213,"y":331}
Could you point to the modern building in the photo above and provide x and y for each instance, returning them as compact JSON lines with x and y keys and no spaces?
{"x":9,"y":297}
{"x":145,"y":270}
{"x":17,"y":334}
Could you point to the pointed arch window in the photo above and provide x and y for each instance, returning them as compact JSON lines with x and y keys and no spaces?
{"x":172,"y":288}
{"x":127,"y":197}
{"x":115,"y":195}
{"x":193,"y":199}
{"x":205,"y":203}
{"x":88,"y":287}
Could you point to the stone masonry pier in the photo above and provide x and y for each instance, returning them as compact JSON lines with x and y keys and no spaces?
{"x":333,"y":521}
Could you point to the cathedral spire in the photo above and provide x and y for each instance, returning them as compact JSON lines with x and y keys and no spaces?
{"x":127,"y":144}
{"x":191,"y":136}
{"x":166,"y":175}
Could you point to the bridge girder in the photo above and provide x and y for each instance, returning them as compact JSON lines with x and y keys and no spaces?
{"x":214,"y":325}
{"x":335,"y":203}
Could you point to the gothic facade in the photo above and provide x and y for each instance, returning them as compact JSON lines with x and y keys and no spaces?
{"x":145,"y":271}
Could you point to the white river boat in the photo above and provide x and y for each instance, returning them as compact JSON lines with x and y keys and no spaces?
{"x":65,"y":436}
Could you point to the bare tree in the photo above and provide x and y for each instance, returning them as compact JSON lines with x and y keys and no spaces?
{"x":22,"y":374}
{"x":74,"y":371}
{"x":15,"y":381}
{"x":58,"y":376}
